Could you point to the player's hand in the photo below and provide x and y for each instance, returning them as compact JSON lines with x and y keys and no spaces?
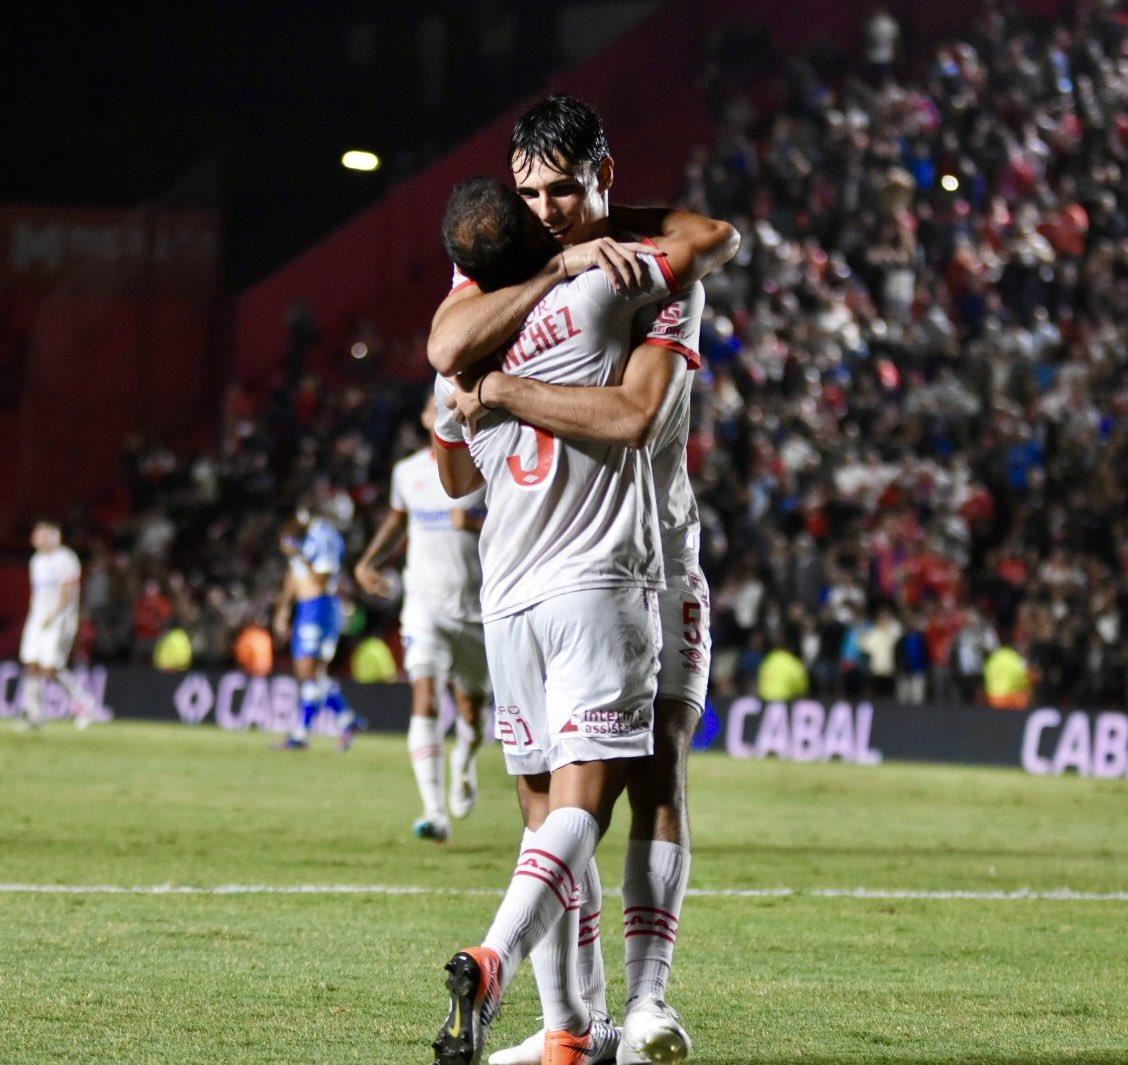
{"x":372,"y":581}
{"x":619,"y":261}
{"x":468,"y":409}
{"x":281,"y":627}
{"x":459,"y":519}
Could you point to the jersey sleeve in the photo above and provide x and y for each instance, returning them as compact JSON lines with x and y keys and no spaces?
{"x":397,"y":499}
{"x":448,"y":433}
{"x":70,"y":569}
{"x":459,"y":280}
{"x":675,"y":324}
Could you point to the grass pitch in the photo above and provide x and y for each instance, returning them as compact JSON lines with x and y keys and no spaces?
{"x":320,"y":977}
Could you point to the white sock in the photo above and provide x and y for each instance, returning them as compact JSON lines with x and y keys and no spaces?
{"x":79,"y":697}
{"x":589,"y":957}
{"x":542,"y":887}
{"x":426,"y":749}
{"x":654,"y":883}
{"x":554,"y":965}
{"x":32,"y":699}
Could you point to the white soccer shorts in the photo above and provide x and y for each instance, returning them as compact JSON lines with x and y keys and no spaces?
{"x":50,"y":646}
{"x":575,"y":677}
{"x":445,"y":648}
{"x":687,"y":647}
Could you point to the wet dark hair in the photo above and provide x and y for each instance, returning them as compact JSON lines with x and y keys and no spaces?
{"x":492,"y":236}
{"x":558,"y":129}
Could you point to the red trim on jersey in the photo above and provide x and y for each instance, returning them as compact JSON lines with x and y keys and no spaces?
{"x":463,"y":284}
{"x":692,"y":358}
{"x":448,"y":445}
{"x":663,"y":262}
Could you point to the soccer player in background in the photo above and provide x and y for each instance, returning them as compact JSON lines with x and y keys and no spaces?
{"x":571,"y":554}
{"x":52,"y":624}
{"x":562,"y":168}
{"x":310,"y":606}
{"x":441,"y":625}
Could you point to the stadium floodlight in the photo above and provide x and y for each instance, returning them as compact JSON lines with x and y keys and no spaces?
{"x":949,"y":182}
{"x":358,"y":160}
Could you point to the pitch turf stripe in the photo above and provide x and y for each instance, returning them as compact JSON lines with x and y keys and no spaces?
{"x":1022,"y":895}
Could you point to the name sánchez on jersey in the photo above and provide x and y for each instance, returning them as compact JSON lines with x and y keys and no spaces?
{"x":545,"y":331}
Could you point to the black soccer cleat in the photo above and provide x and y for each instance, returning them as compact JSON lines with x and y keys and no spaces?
{"x":472,"y":980}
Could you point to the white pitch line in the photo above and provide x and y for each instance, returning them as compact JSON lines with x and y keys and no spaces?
{"x":887,"y":894}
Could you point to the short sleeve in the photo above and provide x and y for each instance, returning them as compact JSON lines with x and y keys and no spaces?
{"x":70,"y":569}
{"x":448,"y":433}
{"x":397,"y":500}
{"x":459,"y":280}
{"x":675,"y":324}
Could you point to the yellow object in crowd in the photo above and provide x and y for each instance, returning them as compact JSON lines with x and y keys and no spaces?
{"x":373,"y":662}
{"x":173,"y":652}
{"x":782,"y":677}
{"x":1007,"y":680}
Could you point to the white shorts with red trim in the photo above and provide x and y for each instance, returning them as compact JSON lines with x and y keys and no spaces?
{"x":686,"y":644}
{"x":575,"y":677}
{"x":48,"y":646}
{"x":444,"y":648}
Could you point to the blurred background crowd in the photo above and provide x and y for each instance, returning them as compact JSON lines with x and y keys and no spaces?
{"x":911,"y":426}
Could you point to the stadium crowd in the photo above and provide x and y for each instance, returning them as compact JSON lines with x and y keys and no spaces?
{"x":911,"y":428}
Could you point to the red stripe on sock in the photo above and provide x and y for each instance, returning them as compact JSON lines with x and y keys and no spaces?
{"x":547,"y":854}
{"x":587,"y":942}
{"x":652,"y":932}
{"x":544,"y":880}
{"x":652,"y":909}
{"x":592,"y":916}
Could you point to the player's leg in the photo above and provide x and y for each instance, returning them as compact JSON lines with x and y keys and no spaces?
{"x":332,"y":625}
{"x":425,"y":746}
{"x":311,"y":697}
{"x":657,"y":866}
{"x":427,"y":661}
{"x":31,"y":697}
{"x":600,"y":688}
{"x":470,"y":687}
{"x":81,"y":702}
{"x":31,"y":690}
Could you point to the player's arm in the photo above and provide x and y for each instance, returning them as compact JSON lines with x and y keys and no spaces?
{"x":284,"y":606}
{"x":695,"y":245}
{"x":626,"y":413}
{"x":384,"y":542}
{"x":467,"y":520}
{"x":471,"y":324}
{"x":457,"y":471}
{"x":68,"y":593}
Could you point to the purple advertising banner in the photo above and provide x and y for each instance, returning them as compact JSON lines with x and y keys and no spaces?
{"x":1045,"y":741}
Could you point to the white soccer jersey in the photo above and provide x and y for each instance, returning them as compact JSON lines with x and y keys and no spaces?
{"x":51,"y":572}
{"x":443,"y":573}
{"x":564,"y":515}
{"x":675,"y":324}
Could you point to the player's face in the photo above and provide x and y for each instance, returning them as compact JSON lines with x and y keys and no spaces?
{"x":569,"y":199}
{"x":44,"y":537}
{"x":427,"y":418}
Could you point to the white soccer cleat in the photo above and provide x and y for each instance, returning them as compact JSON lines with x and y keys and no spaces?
{"x":463,"y":782}
{"x":653,"y":1034}
{"x":529,"y":1052}
{"x":605,"y":1042}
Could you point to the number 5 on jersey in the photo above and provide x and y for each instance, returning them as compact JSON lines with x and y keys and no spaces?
{"x":543,"y":465}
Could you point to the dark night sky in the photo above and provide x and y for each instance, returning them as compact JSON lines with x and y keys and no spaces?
{"x":248,"y":106}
